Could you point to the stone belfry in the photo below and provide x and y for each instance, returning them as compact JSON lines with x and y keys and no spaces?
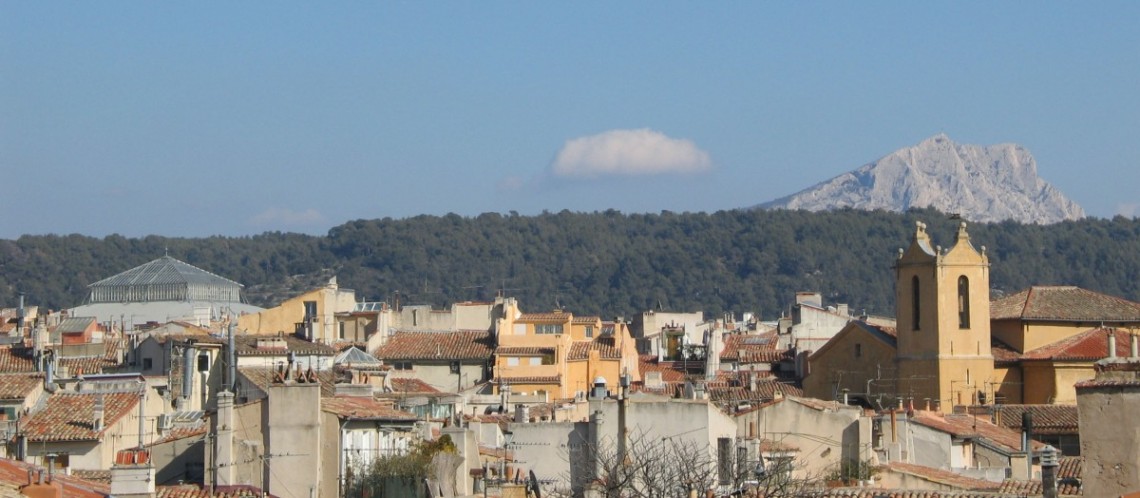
{"x":942,"y":299}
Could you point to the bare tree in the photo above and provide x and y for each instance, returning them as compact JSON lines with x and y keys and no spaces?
{"x":647,"y":467}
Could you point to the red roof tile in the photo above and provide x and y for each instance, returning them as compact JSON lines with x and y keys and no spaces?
{"x":968,"y":426}
{"x":363,"y":408}
{"x":262,"y":377}
{"x":196,"y":491}
{"x":15,"y":474}
{"x":533,"y":379}
{"x":19,"y":386}
{"x":461,"y":345}
{"x":246,"y":345}
{"x":580,"y":350}
{"x":1064,"y":303}
{"x":670,"y":371}
{"x":523,"y":351}
{"x":13,"y":360}
{"x":1047,"y":419}
{"x":738,"y":347}
{"x":1065,"y":487}
{"x":69,"y":417}
{"x":944,"y":477}
{"x":543,"y":317}
{"x":1090,"y":345}
{"x":182,"y":433}
{"x":412,"y":386}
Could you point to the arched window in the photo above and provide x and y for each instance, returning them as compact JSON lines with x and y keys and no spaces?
{"x":963,"y":302}
{"x":915,"y":303}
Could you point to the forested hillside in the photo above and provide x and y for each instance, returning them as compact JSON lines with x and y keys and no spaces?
{"x":604,"y":263}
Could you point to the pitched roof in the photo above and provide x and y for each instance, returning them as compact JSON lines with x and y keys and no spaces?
{"x":580,"y":350}
{"x":19,"y":385}
{"x":69,"y":416}
{"x":16,"y":360}
{"x":196,"y":491}
{"x":944,"y":477}
{"x":1064,"y":303}
{"x":543,"y":317}
{"x":750,"y":347}
{"x":1047,"y":419}
{"x":459,"y":345}
{"x":411,"y":385}
{"x":262,"y":377}
{"x":246,"y":345}
{"x":972,"y":427}
{"x":1090,"y":345}
{"x":523,"y":351}
{"x":14,"y":474}
{"x":1065,"y":487}
{"x":529,"y":379}
{"x":164,"y":270}
{"x":1002,"y":352}
{"x":363,"y":408}
{"x":178,"y":433}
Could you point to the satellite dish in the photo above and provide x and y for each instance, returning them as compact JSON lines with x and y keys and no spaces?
{"x":534,"y":485}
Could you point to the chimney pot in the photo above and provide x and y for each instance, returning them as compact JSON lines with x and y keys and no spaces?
{"x":1111,"y":344}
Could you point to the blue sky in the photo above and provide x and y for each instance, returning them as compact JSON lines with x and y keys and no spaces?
{"x":237,"y":118}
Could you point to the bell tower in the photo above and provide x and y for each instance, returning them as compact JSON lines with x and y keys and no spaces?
{"x":943,"y":312}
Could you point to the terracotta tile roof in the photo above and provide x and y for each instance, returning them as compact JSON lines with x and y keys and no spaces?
{"x":1047,"y":419}
{"x":14,"y":474}
{"x":19,"y":386}
{"x":1072,"y":467}
{"x":412,"y":385}
{"x":182,"y":433}
{"x":730,"y":397}
{"x":13,"y":360}
{"x":461,"y":345}
{"x":870,"y":492}
{"x":586,"y":320}
{"x":772,"y":446}
{"x":533,"y":379}
{"x":88,"y":365}
{"x":1064,"y":303}
{"x":523,"y":351}
{"x":1002,"y":352}
{"x":1065,"y":487}
{"x":670,"y":370}
{"x":1090,"y":345}
{"x":68,"y":417}
{"x":543,"y":317}
{"x":944,"y":477}
{"x":971,"y":427}
{"x":580,"y":350}
{"x":738,"y":346}
{"x":99,"y":476}
{"x":363,"y":408}
{"x":196,"y":491}
{"x":246,"y":345}
{"x":262,"y":377}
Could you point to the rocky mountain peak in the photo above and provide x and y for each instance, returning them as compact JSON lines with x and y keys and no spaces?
{"x":981,"y":183}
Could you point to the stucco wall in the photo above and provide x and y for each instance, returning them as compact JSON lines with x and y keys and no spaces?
{"x":293,"y":418}
{"x":1109,"y":438}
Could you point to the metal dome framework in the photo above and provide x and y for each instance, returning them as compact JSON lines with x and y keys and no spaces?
{"x":165,"y":279}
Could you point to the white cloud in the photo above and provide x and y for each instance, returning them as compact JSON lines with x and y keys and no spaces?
{"x":511,"y":183}
{"x":285,"y":216}
{"x":628,"y":153}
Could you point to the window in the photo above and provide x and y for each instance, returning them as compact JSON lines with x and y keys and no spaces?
{"x":548,"y":359}
{"x":148,"y":363}
{"x":203,"y":362}
{"x":963,"y":302}
{"x":915,"y":303}
{"x":341,"y":330}
{"x":512,"y":361}
{"x":402,"y":365}
{"x":548,"y":328}
{"x":589,"y":331}
{"x":535,"y":361}
{"x":858,"y":350}
{"x":455,"y":367}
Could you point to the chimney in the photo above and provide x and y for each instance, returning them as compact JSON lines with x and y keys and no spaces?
{"x":1134,"y":351}
{"x":97,"y":414}
{"x":1111,"y":344}
{"x":132,"y":476}
{"x":522,"y":414}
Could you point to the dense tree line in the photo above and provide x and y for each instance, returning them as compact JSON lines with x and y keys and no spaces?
{"x":605,"y":263}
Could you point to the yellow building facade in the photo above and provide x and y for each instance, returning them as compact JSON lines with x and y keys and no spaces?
{"x":559,"y":355}
{"x":942,"y":306}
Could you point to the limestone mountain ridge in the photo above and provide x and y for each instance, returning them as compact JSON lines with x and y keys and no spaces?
{"x":979,"y":183}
